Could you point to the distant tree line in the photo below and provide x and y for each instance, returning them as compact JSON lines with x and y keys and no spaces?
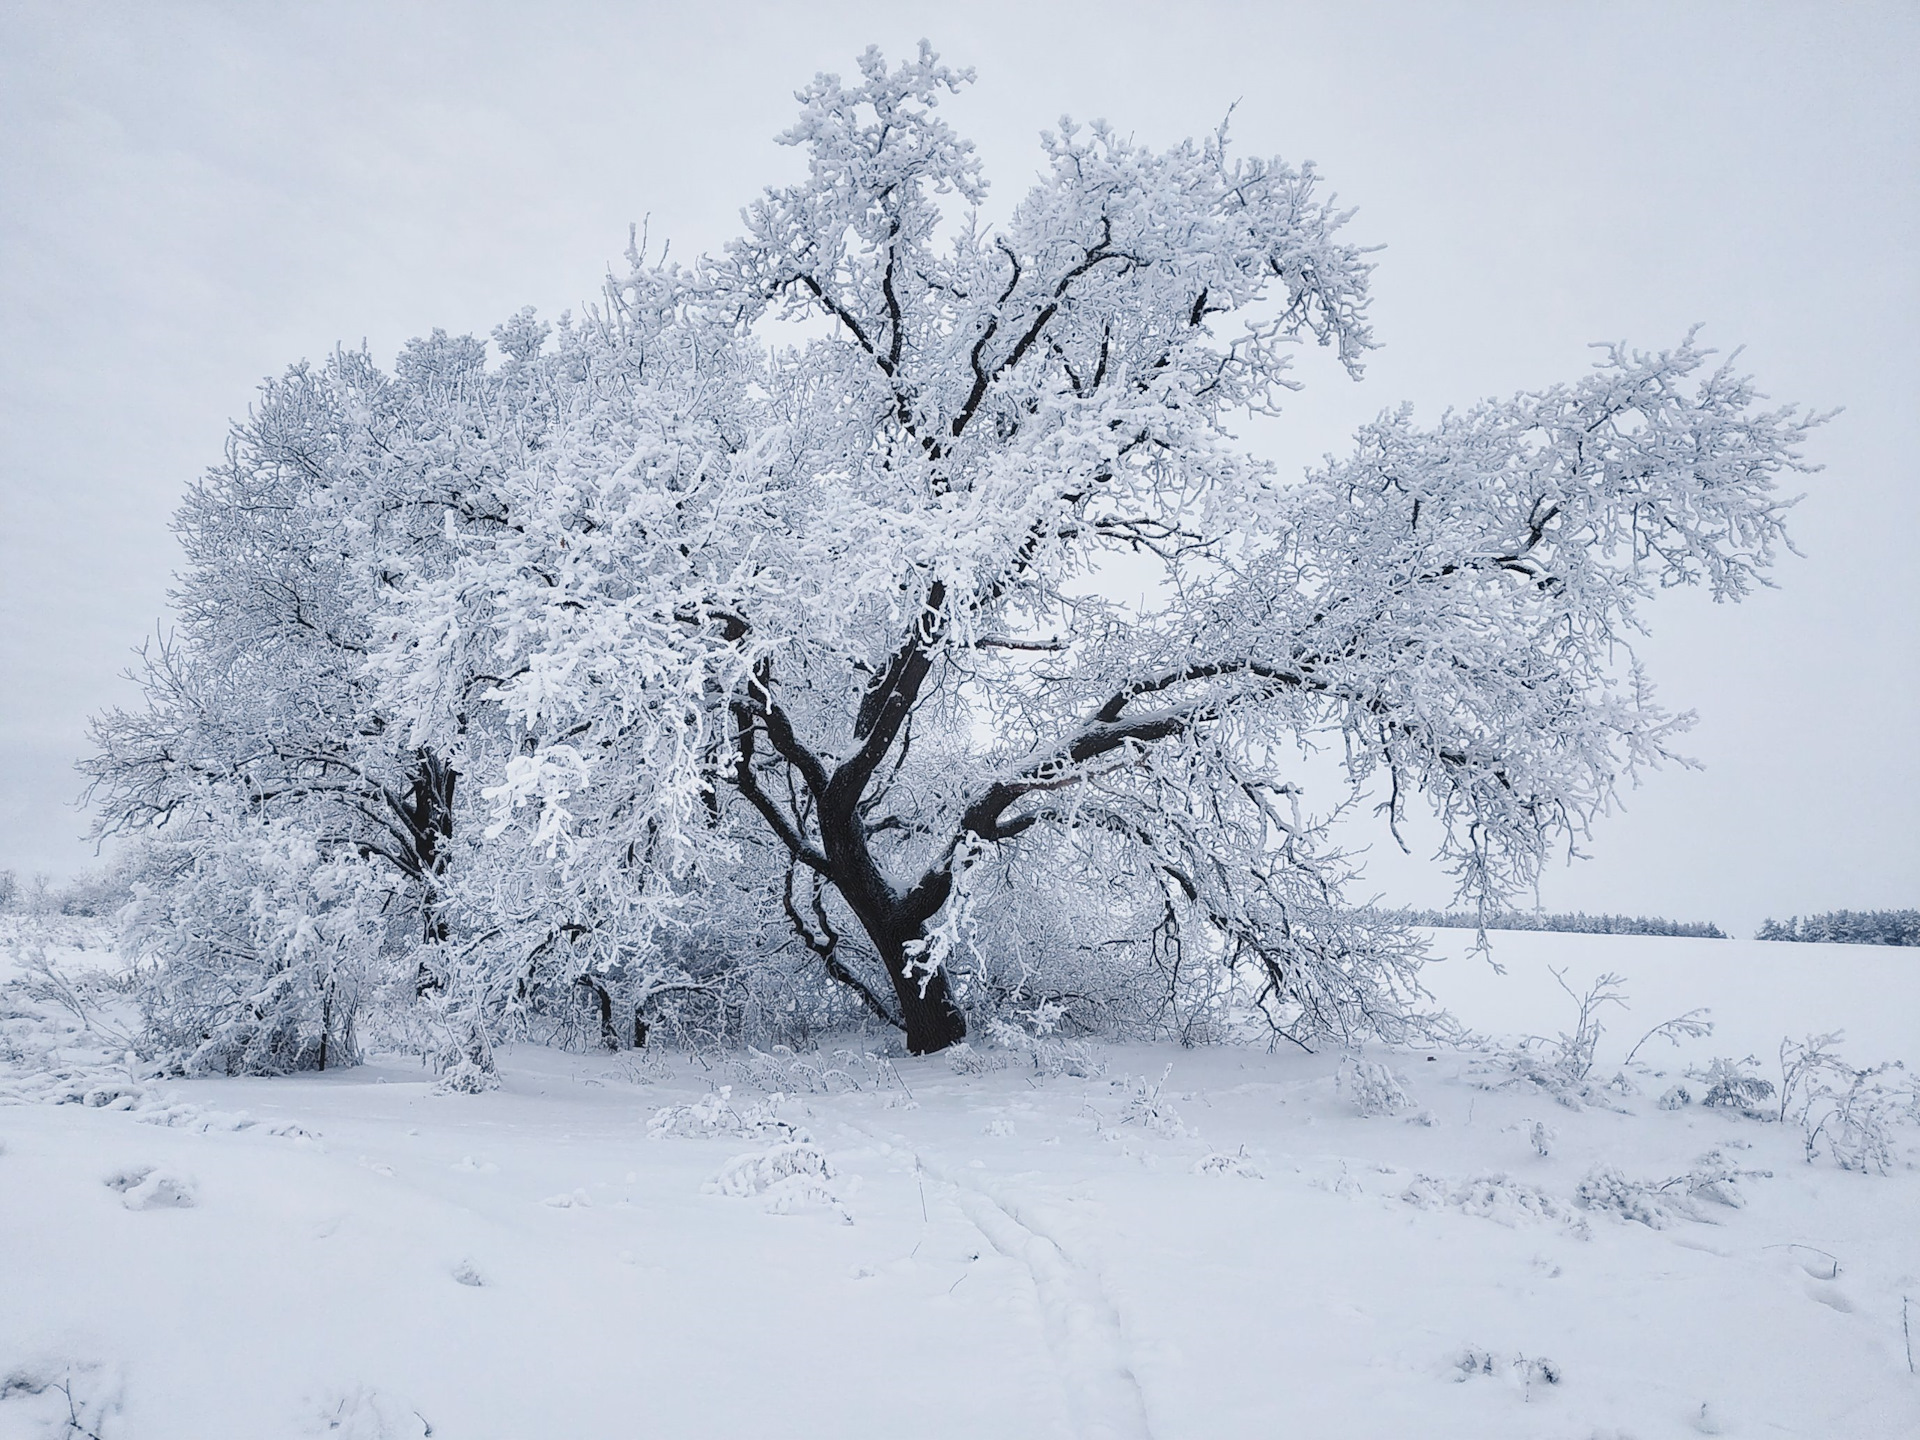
{"x":1848,"y":927}
{"x":97,"y":893}
{"x":1578,"y":923}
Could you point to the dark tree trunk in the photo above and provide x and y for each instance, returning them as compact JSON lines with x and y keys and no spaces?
{"x":429,"y":817}
{"x":896,"y":924}
{"x":927,"y":1012}
{"x":609,"y":1037}
{"x":836,"y":806}
{"x":428,"y":814}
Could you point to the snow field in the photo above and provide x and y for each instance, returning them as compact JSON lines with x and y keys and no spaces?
{"x":860,"y":1247}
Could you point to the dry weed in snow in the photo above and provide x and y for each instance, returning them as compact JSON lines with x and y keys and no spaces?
{"x":791,"y":1176}
{"x":1496,"y":1197}
{"x":715,"y":1114}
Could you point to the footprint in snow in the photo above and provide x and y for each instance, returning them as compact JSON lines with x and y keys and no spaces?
{"x":1830,"y":1295}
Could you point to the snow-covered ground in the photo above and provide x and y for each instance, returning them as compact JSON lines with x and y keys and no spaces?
{"x":1190,"y":1243}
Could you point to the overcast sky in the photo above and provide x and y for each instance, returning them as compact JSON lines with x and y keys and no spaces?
{"x":193,"y":196}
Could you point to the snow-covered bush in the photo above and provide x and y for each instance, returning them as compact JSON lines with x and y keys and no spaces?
{"x":1606,"y":1190}
{"x":1732,"y":1085}
{"x":1713,"y":1178}
{"x":255,"y":952}
{"x":149,"y":1187}
{"x":1525,"y":1370}
{"x":790,"y":1176}
{"x":716,"y":1114}
{"x":1151,"y":1108}
{"x":1372,"y":1086}
{"x":761,"y":1171}
{"x":1030,"y":1033}
{"x":92,"y":996}
{"x":964,"y":1059}
{"x":1239,"y":1164}
{"x":1850,"y":1114}
{"x":1497,"y":1197}
{"x":1856,"y":1126}
{"x":1716,"y":1177}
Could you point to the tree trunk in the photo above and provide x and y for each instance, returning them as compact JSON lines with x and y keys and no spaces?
{"x":609,"y":1037}
{"x":927,"y":1012}
{"x":895,"y":923}
{"x":429,"y":817}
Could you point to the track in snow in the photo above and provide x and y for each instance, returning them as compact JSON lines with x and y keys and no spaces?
{"x":1082,"y":1326}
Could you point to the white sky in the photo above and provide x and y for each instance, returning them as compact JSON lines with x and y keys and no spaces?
{"x":192,"y":196}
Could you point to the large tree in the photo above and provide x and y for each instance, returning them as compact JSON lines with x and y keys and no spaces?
{"x":777,"y":599}
{"x":340,"y":482}
{"x":843,"y":556}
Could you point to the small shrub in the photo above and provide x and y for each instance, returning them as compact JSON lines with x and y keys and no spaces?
{"x":1732,"y":1086}
{"x":1496,"y":1197}
{"x":715,"y":1114}
{"x":1608,"y":1191}
{"x":1675,"y":1097}
{"x":1372,"y":1086}
{"x":1148,"y":1108}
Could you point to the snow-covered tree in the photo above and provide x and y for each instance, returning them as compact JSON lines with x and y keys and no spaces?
{"x":348,"y":495}
{"x":825,"y":519}
{"x":262,"y":720}
{"x":263,"y":693}
{"x":769,"y":609}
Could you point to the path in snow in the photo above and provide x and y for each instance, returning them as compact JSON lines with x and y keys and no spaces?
{"x":1084,"y":1331}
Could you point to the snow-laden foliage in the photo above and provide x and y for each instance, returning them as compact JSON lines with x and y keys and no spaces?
{"x":1850,"y":1114}
{"x":1731,"y":1085}
{"x":1372,"y":1086}
{"x":749,"y":652}
{"x":261,"y":951}
{"x":1498,"y":1197}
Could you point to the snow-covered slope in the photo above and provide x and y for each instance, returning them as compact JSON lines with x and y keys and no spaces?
{"x":1200,"y":1243}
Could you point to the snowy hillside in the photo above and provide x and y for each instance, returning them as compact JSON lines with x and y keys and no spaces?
{"x":1120,"y":1241}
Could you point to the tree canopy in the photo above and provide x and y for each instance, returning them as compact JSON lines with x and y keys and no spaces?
{"x":759,"y":621}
